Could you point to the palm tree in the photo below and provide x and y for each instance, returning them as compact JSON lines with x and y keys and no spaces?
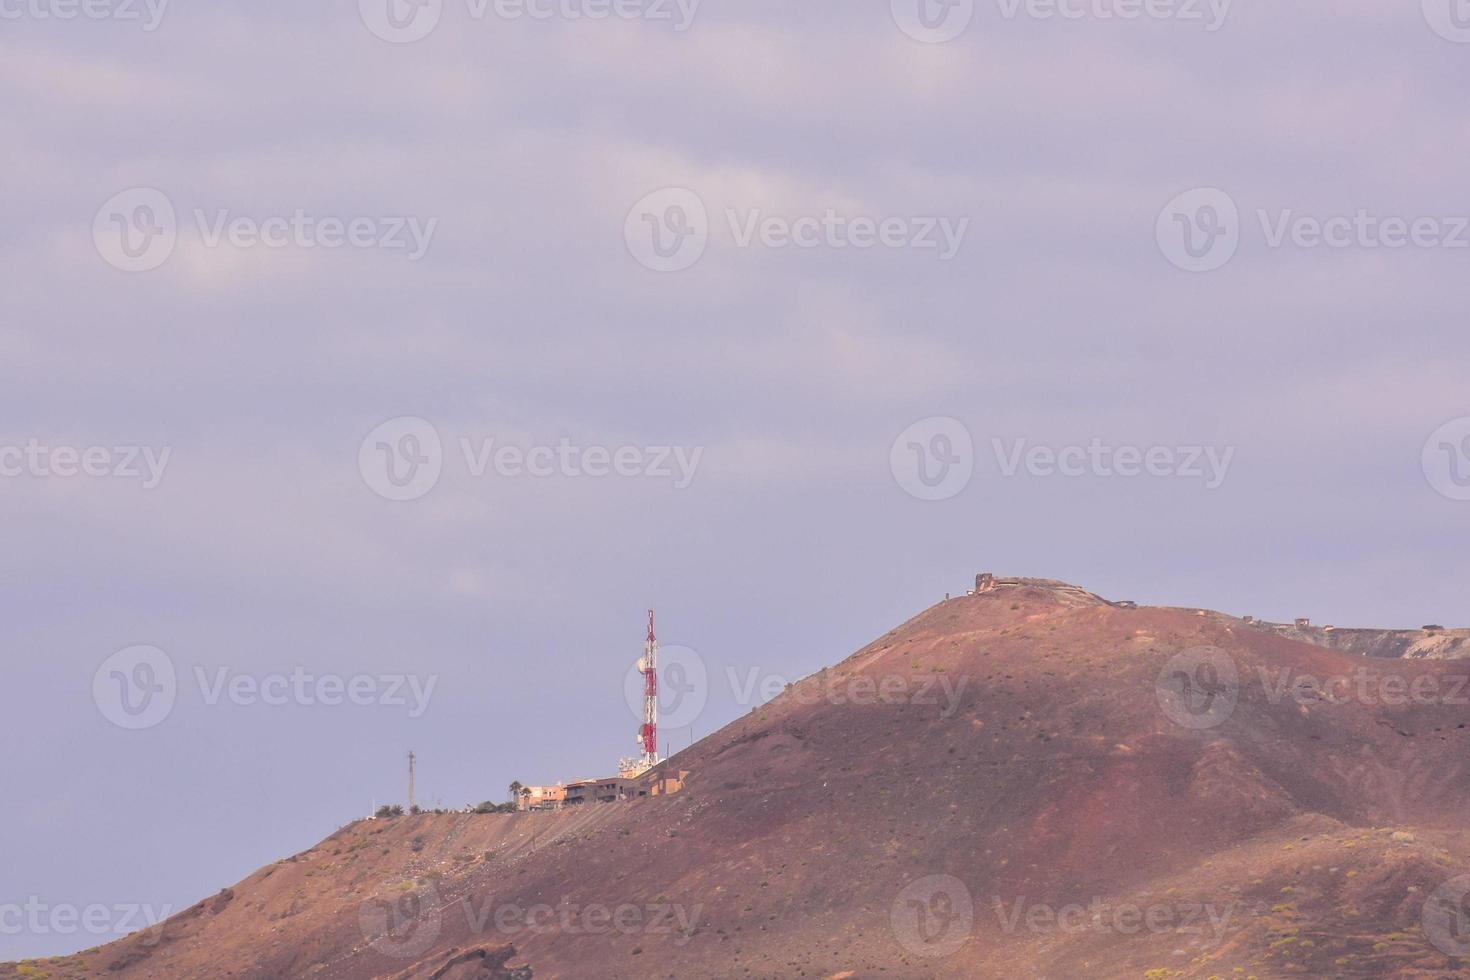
{"x":515,"y":792}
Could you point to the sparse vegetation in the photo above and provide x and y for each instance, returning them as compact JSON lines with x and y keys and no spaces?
{"x":491,"y":807}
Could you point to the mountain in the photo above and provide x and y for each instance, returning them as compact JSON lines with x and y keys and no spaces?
{"x":1029,"y":781}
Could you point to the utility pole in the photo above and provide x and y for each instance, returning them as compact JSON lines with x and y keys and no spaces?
{"x":410,"y":781}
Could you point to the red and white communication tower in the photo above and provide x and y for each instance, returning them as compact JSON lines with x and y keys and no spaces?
{"x":648,"y":666}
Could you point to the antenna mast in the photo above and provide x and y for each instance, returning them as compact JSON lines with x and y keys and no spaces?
{"x":649,"y":666}
{"x":410,"y":781}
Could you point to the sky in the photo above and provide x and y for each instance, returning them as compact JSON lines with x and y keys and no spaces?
{"x":368,"y":371}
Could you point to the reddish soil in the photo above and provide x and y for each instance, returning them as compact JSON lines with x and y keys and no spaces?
{"x":994,"y":789}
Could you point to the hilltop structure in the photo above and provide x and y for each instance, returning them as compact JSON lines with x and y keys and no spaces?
{"x":636,"y":776}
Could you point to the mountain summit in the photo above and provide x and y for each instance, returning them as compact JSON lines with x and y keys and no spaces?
{"x":1026,"y":781}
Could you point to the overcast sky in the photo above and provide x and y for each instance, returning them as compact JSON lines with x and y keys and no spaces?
{"x":407,"y":356}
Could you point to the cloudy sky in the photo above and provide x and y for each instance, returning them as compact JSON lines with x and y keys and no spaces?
{"x":367,"y":371}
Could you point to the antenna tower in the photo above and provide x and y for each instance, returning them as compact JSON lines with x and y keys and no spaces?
{"x":648,"y":734}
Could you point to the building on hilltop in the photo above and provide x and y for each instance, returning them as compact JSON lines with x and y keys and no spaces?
{"x":542,"y":797}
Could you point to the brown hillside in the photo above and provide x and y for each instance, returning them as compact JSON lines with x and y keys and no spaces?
{"x":1029,"y":782}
